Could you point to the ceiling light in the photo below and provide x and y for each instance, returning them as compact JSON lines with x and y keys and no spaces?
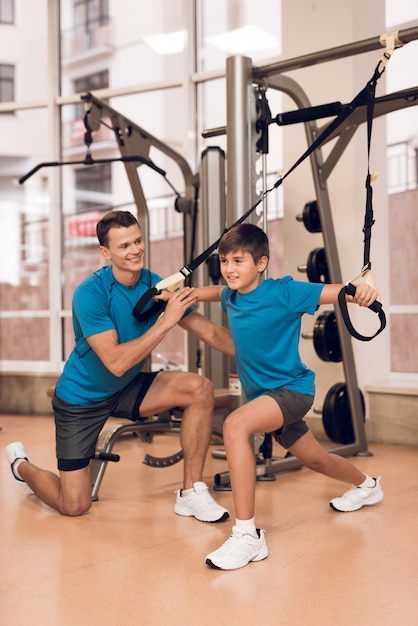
{"x":243,"y":40}
{"x":166,"y":43}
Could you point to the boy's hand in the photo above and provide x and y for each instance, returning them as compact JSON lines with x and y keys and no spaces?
{"x":189,"y":292}
{"x":365,"y":295}
{"x":163,"y":295}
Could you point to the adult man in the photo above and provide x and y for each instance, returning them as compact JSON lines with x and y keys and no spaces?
{"x":103,"y":377}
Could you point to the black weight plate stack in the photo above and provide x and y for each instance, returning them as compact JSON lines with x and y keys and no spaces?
{"x":336,"y":414}
{"x":326,"y":338}
{"x":311,"y":218}
{"x":317,"y":267}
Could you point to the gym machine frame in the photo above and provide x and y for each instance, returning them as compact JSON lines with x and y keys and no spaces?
{"x":135,"y":141}
{"x":240,"y":77}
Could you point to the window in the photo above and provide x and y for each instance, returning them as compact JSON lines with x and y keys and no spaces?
{"x":7,"y":83}
{"x":99,"y":80}
{"x":88,"y":14}
{"x":93,"y":186}
{"x":7,"y":11}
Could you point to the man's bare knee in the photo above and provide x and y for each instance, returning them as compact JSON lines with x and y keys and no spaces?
{"x":75,"y":492}
{"x":202,"y":391}
{"x":75,"y":509}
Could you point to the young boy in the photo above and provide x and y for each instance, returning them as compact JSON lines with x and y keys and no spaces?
{"x":265,"y":322}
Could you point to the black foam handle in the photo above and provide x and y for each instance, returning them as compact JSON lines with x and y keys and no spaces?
{"x":143,"y":301}
{"x":309,"y":113}
{"x":108,"y":456}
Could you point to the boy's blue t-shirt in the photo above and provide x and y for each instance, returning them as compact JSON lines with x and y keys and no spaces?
{"x":265,"y":325}
{"x":101,"y":303}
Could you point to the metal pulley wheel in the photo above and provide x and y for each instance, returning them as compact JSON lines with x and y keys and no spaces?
{"x":336,"y":414}
{"x":326,"y":338}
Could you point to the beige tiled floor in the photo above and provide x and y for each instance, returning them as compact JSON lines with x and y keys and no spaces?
{"x":132,"y":561}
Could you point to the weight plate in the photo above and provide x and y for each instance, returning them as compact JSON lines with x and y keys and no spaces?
{"x":326,"y":338}
{"x":336,"y":414}
{"x":311,"y":217}
{"x":317,"y":267}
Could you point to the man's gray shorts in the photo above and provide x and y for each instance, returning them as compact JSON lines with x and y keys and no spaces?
{"x":78,"y":427}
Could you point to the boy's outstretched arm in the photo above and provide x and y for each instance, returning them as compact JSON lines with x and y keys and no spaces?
{"x":365,"y":294}
{"x":211,"y":293}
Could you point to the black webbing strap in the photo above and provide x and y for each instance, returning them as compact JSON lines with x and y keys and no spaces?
{"x":360,"y":99}
{"x":350,"y":289}
{"x":138,"y":311}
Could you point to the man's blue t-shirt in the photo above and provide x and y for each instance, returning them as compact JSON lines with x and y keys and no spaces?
{"x":265,"y":325}
{"x":101,"y":303}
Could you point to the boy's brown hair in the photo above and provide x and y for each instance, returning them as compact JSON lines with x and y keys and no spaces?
{"x":247,"y":238}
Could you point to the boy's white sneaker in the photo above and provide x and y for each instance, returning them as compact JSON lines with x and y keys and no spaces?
{"x":239,"y":550}
{"x":357,"y":497}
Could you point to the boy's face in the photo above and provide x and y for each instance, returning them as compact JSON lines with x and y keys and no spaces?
{"x":240,"y":272}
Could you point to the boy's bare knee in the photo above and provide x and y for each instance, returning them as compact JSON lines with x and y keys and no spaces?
{"x":233,"y":427}
{"x":317,"y":465}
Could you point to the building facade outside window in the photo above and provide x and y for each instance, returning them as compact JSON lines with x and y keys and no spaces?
{"x":7,"y":11}
{"x":7,"y":82}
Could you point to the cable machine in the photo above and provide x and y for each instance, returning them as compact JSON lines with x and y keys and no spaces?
{"x":242,"y":79}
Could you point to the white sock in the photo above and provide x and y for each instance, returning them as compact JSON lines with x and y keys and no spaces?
{"x":185,"y":492}
{"x":247,"y":525}
{"x":368,"y":482}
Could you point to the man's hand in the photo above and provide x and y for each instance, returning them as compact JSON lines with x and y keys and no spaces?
{"x":177,"y":304}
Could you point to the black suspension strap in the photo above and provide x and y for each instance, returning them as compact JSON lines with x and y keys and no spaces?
{"x":365,"y":96}
{"x":365,"y":274}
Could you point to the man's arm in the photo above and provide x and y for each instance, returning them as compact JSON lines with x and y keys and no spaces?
{"x":118,"y":358}
{"x":214,"y":335}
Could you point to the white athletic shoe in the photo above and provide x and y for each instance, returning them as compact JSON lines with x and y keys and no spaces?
{"x":357,"y":497}
{"x":239,"y":550}
{"x":200,"y":504}
{"x":14,"y":452}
